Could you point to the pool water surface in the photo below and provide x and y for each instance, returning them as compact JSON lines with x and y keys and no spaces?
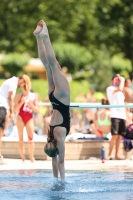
{"x":86,"y":185}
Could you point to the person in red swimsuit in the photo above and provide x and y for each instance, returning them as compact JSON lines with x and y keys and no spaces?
{"x":25,"y":105}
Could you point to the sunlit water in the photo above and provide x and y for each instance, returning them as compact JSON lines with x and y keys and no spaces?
{"x":86,"y":185}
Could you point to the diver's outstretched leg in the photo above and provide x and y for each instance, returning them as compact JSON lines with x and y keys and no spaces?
{"x":62,"y":90}
{"x":43,"y":57}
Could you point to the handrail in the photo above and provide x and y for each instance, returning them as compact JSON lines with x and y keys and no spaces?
{"x":90,"y":105}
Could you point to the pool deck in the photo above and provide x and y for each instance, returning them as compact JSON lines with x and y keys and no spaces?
{"x":90,"y":164}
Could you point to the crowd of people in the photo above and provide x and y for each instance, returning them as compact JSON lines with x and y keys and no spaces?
{"x":59,"y":120}
{"x":87,"y":121}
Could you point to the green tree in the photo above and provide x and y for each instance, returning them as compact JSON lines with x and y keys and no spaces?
{"x":102,"y":28}
{"x":72,"y":56}
{"x":115,"y":29}
{"x":14,"y":62}
{"x":68,"y":21}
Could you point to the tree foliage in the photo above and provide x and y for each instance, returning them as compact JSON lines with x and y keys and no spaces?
{"x":115,"y":20}
{"x":14,"y":62}
{"x":101,"y":30}
{"x":19,"y":19}
{"x":72,"y":56}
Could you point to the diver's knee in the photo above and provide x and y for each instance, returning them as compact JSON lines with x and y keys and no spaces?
{"x":61,"y":161}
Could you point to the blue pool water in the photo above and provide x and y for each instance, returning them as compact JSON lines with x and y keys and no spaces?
{"x":86,"y":185}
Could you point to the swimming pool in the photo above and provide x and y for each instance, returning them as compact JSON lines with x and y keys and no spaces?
{"x":86,"y":185}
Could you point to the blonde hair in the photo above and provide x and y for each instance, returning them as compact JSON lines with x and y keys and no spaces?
{"x":26,"y":78}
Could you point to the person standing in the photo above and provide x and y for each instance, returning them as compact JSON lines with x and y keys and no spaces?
{"x":118,"y":115}
{"x":128,"y":91}
{"x":59,"y":95}
{"x":7,"y":94}
{"x":25,"y":104}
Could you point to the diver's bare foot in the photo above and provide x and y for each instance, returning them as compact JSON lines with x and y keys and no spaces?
{"x":38,"y":28}
{"x":44,"y":31}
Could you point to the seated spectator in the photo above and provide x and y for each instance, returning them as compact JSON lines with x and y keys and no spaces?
{"x":76,"y":121}
{"x":103,"y":122}
{"x":92,"y":128}
{"x":46,"y":120}
{"x":46,"y":113}
{"x":37,"y":117}
{"x":88,"y":116}
{"x":81,"y":98}
{"x":38,"y":122}
{"x":91,"y":97}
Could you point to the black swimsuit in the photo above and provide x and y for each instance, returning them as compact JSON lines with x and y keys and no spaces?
{"x":63,"y":109}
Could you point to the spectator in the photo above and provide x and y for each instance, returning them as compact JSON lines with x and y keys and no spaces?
{"x":37,"y":116}
{"x":88,"y":116}
{"x":46,"y":120}
{"x":46,"y":116}
{"x":76,"y":121}
{"x":7,"y":93}
{"x":25,"y":104}
{"x":91,"y":97}
{"x":118,"y":115}
{"x":81,"y":98}
{"x":103,"y":122}
{"x":128,"y":91}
